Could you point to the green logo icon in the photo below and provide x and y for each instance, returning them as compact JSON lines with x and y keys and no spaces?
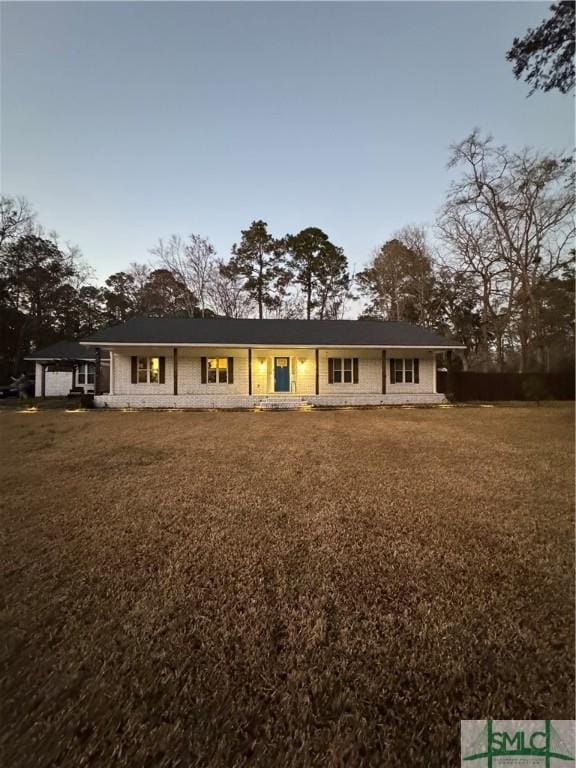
{"x":521,"y":742}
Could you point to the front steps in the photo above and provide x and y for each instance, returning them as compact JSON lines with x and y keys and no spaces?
{"x":281,"y":402}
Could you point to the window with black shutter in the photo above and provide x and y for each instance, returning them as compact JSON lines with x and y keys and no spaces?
{"x":217,"y":370}
{"x":404,"y":370}
{"x":148,"y":370}
{"x":342,"y":370}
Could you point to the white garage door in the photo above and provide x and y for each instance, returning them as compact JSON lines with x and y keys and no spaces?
{"x":58,"y":383}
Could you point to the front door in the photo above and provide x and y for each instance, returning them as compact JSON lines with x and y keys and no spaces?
{"x":281,"y":374}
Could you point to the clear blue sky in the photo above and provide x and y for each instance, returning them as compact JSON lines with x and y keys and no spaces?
{"x":124,"y":122}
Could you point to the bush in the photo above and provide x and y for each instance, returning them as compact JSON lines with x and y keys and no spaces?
{"x":86,"y":401}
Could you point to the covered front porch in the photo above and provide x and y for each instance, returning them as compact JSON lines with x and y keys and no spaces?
{"x":235,"y":377}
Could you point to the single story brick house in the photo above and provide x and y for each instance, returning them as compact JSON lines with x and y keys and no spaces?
{"x":227,"y":363}
{"x":67,"y":367}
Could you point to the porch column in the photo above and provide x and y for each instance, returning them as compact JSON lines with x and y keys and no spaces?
{"x":111,"y":386}
{"x":43,"y":380}
{"x":383,"y":371}
{"x":317,"y":351}
{"x":175,"y":371}
{"x":434,"y":371}
{"x":249,"y":371}
{"x":97,"y":361}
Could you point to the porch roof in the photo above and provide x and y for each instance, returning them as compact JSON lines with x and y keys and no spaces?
{"x":272,"y":333}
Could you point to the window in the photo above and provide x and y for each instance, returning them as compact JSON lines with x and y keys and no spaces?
{"x":405,"y":370}
{"x":148,"y":370}
{"x":86,"y":372}
{"x":217,"y":370}
{"x":408,"y":370}
{"x":343,"y":370}
{"x":337,"y":376}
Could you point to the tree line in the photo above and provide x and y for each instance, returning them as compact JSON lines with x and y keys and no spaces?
{"x":495,"y":272}
{"x":47,"y":291}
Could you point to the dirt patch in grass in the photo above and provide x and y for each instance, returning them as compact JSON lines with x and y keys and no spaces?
{"x":281,"y":589}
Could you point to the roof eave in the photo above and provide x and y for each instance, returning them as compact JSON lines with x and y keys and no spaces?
{"x":246,"y":345}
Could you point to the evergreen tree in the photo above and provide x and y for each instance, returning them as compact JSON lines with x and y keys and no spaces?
{"x":320,"y":268}
{"x":258,"y":260}
{"x":545,"y":55}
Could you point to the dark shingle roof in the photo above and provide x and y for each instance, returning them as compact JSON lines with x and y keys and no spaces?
{"x":65,"y":350}
{"x":225,"y":331}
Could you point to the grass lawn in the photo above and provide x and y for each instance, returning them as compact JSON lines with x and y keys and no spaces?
{"x":335,"y":588}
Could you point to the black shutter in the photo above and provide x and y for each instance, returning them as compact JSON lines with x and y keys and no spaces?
{"x":162,"y":367}
{"x":355,"y":370}
{"x":330,"y":370}
{"x":392,"y":369}
{"x":203,"y":370}
{"x":230,"y":370}
{"x":416,"y":371}
{"x":134,"y":367}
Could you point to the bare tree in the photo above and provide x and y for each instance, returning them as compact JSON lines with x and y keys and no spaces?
{"x":226,"y":292}
{"x":522,"y":204}
{"x":83,"y":273}
{"x":140,"y":273}
{"x":476,"y":255}
{"x":393,"y":280}
{"x":16,"y":218}
{"x":415,"y":238}
{"x":192,"y":262}
{"x":291,"y":306}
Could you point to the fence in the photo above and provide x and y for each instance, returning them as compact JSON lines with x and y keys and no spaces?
{"x":468,"y":385}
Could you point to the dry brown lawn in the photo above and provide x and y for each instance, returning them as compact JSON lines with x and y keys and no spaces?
{"x":332,"y":588}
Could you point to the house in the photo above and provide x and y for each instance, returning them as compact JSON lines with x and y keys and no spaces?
{"x":226,"y":363}
{"x":66,"y":367}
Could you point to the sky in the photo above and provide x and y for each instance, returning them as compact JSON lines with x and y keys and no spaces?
{"x":125,"y":122}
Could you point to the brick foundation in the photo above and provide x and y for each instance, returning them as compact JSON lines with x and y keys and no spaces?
{"x":245,"y":401}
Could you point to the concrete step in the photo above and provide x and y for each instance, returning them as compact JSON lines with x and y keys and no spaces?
{"x":282,"y":403}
